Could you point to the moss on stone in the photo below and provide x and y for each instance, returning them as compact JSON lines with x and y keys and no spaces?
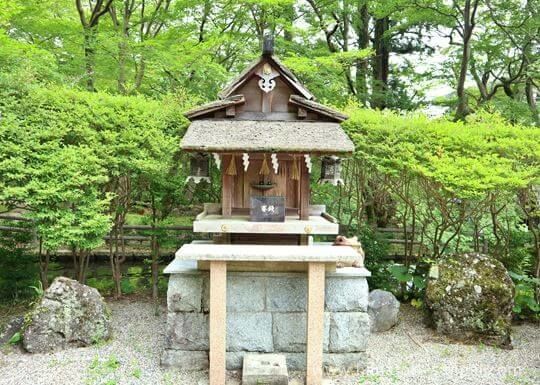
{"x":472,"y":298}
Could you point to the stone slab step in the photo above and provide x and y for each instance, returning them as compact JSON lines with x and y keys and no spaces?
{"x":265,"y":369}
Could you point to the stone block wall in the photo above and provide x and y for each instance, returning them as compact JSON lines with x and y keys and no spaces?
{"x":266,"y":312}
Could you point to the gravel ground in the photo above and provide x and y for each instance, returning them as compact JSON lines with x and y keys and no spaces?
{"x":408,"y":354}
{"x":412,"y":354}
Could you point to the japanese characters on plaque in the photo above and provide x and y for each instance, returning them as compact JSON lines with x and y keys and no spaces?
{"x":267,"y":209}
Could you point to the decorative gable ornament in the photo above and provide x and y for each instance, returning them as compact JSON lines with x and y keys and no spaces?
{"x":267,"y":76}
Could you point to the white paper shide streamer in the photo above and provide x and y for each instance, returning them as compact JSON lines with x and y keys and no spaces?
{"x":275,"y":163}
{"x":307,"y":158}
{"x":245,"y":160}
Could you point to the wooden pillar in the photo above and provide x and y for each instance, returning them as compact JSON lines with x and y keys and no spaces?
{"x":266,"y":105}
{"x":227,"y":182}
{"x":315,"y":323}
{"x":304,"y":190}
{"x":218,"y":321}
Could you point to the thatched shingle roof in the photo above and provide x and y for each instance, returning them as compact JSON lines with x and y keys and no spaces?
{"x":216,"y":135}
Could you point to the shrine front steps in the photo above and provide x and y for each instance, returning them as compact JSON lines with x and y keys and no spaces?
{"x":266,"y":312}
{"x":190,"y":360}
{"x":268,"y":369}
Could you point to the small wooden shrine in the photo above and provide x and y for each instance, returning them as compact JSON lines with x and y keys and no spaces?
{"x":263,"y":134}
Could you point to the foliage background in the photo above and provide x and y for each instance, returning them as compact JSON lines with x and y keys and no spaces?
{"x":91,"y":103}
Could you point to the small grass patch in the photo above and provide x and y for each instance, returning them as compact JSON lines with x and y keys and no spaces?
{"x":103,"y":372}
{"x":521,"y":379}
{"x":376,"y":378}
{"x":136,"y":373}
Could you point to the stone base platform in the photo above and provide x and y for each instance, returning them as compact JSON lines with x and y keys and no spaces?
{"x":266,"y":313}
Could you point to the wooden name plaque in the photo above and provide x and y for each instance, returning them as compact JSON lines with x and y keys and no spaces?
{"x":267,"y":209}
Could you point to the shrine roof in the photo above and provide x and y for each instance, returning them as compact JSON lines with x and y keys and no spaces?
{"x":317,"y":107}
{"x":216,"y":105}
{"x":232,"y":135}
{"x":286,"y":73}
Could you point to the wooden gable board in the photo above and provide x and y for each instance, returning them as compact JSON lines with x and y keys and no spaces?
{"x":285,"y":73}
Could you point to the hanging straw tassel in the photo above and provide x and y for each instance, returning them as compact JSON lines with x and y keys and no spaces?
{"x":231,"y":170}
{"x":295,"y":173}
{"x":265,"y":170}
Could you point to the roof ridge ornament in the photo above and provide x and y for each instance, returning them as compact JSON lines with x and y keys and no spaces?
{"x":267,"y":75}
{"x":268,"y":45}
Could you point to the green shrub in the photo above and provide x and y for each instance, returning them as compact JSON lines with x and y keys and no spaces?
{"x":526,"y":304}
{"x":127,"y":286}
{"x":18,"y":267}
{"x":104,"y":285}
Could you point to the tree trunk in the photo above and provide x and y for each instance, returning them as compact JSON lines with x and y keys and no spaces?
{"x":115,"y":265}
{"x":118,"y":280}
{"x":380,"y":64}
{"x":531,"y":100}
{"x":462,"y":109}
{"x":43,"y":266}
{"x":90,"y":57}
{"x":82,"y":265}
{"x":75,"y":263}
{"x":482,"y":87}
{"x":123,"y":45}
{"x":362,"y":31}
{"x":111,"y":255}
{"x":139,"y":75}
{"x":154,"y":251}
{"x":122,"y":58}
{"x":155,"y":267}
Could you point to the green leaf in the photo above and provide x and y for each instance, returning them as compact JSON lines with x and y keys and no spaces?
{"x":15,"y":339}
{"x":400,"y":273}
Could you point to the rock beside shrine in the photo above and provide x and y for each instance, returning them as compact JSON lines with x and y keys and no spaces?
{"x":13,"y":327}
{"x":69,"y":314}
{"x":383,"y":310}
{"x":471,"y":297}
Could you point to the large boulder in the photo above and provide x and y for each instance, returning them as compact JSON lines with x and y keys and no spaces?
{"x":383,"y":310}
{"x":471,"y":297}
{"x":69,"y":313}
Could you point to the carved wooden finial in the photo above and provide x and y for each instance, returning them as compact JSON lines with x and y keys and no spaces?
{"x":268,"y":45}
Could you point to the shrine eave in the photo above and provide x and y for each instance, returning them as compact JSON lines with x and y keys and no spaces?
{"x":318,"y":108}
{"x":221,"y":135}
{"x":215,"y":106}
